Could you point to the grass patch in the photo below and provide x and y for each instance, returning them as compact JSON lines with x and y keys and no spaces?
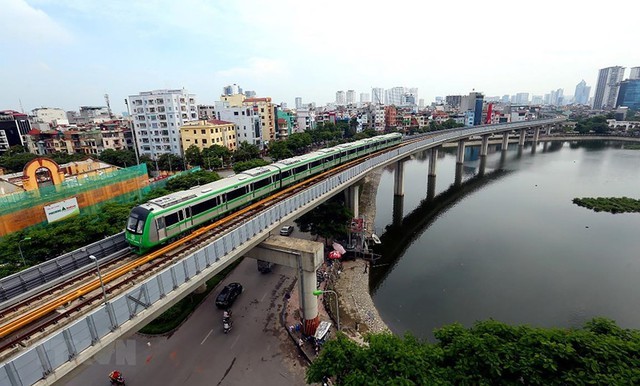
{"x":171,"y":318}
{"x":609,"y":204}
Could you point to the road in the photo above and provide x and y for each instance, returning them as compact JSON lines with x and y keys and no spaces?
{"x":257,"y":351}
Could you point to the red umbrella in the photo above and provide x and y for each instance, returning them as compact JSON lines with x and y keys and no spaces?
{"x":334,"y":255}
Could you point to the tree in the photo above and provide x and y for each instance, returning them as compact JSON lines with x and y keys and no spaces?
{"x":245,"y":152}
{"x":15,"y":162}
{"x":193,"y":156}
{"x":489,"y":353}
{"x":279,"y":150}
{"x":329,"y":220}
{"x":122,"y":158}
{"x":170,"y":162}
{"x":188,"y":180}
{"x":216,"y":156}
{"x":239,"y":167}
{"x":63,"y":158}
{"x":298,"y":143}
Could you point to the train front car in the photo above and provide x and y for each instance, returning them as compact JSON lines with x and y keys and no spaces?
{"x":135,"y":230}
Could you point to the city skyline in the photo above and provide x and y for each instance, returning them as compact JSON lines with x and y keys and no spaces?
{"x":70,"y":53}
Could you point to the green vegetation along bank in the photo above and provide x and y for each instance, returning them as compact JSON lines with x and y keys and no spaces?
{"x":609,"y":204}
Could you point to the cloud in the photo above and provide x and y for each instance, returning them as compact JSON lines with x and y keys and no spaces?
{"x":24,"y":24}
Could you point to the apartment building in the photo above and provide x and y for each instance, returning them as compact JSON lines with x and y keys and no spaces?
{"x":205,"y":133}
{"x":157,"y":117}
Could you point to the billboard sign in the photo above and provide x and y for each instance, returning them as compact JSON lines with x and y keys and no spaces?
{"x":62,"y":210}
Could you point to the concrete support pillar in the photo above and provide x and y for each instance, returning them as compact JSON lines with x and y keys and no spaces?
{"x":544,"y":146}
{"x":483,"y":165}
{"x":460,"y":156}
{"x":398,"y":181}
{"x":503,"y":159}
{"x":536,"y":135}
{"x":431,"y":187}
{"x":306,"y":257}
{"x":353,"y":199}
{"x":523,"y":134}
{"x":505,"y":141}
{"x":433,"y":161}
{"x":398,"y":209}
{"x":485,"y":145}
{"x":458,"y":177}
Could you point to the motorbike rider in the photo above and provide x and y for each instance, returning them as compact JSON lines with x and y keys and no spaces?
{"x":115,"y":377}
{"x":226,"y":314}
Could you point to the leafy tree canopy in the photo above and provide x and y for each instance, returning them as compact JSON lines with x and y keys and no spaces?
{"x":329,"y":220}
{"x":15,"y":162}
{"x":121,"y":158}
{"x":239,"y":167}
{"x":279,"y":150}
{"x":246,"y":152}
{"x":188,"y":180}
{"x":170,"y":162}
{"x":489,"y":353}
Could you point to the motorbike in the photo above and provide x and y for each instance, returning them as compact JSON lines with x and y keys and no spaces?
{"x":226,"y":325}
{"x":118,"y":381}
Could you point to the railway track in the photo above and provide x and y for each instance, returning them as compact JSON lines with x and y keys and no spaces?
{"x":58,"y":306}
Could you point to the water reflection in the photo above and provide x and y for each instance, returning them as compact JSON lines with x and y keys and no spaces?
{"x":510,"y":245}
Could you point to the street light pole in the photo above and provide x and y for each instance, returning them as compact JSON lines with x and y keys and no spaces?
{"x":320,"y":292}
{"x":104,"y":292}
{"x":24,"y":263}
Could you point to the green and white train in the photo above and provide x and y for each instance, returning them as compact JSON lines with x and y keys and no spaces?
{"x":166,"y":218}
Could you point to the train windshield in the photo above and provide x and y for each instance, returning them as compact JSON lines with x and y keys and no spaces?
{"x":136,"y":220}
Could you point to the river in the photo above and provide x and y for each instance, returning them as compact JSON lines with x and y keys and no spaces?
{"x":510,"y":244}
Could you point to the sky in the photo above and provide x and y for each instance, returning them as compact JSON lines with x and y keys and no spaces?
{"x":69,"y":53}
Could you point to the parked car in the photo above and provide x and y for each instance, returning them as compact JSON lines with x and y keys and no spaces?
{"x":286,"y":230}
{"x":228,"y":295}
{"x":264,"y":266}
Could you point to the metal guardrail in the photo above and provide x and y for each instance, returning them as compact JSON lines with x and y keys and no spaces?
{"x":39,"y":360}
{"x":32,"y":280}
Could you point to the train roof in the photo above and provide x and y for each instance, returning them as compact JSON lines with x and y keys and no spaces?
{"x":239,"y":179}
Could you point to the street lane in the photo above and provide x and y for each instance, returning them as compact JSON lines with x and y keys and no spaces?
{"x":256,"y":351}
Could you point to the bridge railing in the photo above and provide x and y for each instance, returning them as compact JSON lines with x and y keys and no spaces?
{"x":123,"y":313}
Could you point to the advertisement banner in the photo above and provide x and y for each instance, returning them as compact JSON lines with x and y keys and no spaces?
{"x":62,"y":210}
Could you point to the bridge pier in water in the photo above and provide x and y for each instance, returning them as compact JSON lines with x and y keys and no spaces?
{"x":505,"y":141}
{"x":352,"y":199}
{"x":398,"y":178}
{"x":306,"y":257}
{"x":460,"y":155}
{"x":523,"y":134}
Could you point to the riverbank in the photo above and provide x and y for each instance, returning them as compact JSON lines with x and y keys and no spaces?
{"x":358,"y":314}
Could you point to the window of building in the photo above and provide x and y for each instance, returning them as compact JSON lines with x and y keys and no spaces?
{"x":204,"y":141}
{"x":235,"y":113}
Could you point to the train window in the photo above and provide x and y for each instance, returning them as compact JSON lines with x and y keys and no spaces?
{"x":352,"y":151}
{"x":180,"y":215}
{"x":285,"y":173}
{"x":300,"y":169}
{"x":328,"y":159}
{"x":314,"y":164}
{"x":187,"y":211}
{"x":261,"y":183}
{"x":344,"y":153}
{"x":205,"y":206}
{"x":160,"y":222}
{"x":361,"y":148}
{"x":232,"y":195}
{"x":171,"y":219}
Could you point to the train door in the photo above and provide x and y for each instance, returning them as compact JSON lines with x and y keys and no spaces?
{"x":162,"y":230}
{"x":187,"y":213}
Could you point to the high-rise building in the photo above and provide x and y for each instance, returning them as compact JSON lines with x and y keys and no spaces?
{"x":629,"y":94}
{"x":351,"y":97}
{"x":556,"y":97}
{"x":472,"y":104}
{"x":298,"y":103}
{"x":635,"y":73}
{"x":581,"y":96}
{"x":394,"y":95}
{"x":536,"y":99}
{"x":157,"y":117}
{"x":341,"y":99}
{"x":14,"y":127}
{"x":377,"y":96}
{"x":247,"y":121}
{"x":364,"y":97}
{"x":453,"y":100}
{"x":231,"y":89}
{"x":522,"y":98}
{"x":607,"y":87}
